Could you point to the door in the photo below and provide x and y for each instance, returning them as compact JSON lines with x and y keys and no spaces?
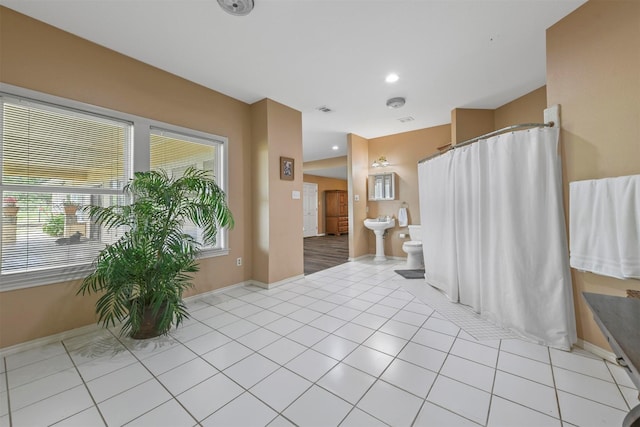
{"x":310,"y":210}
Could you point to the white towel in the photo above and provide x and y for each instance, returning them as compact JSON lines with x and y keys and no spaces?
{"x":403,"y":218}
{"x":604,"y":226}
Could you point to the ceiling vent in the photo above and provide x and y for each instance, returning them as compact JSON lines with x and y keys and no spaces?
{"x":324,"y":109}
{"x":396,"y":102}
{"x":236,"y":7}
{"x":406,"y":119}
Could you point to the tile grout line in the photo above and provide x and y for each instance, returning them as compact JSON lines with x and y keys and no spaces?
{"x":438,"y":374}
{"x":353,"y":406}
{"x":379,"y":377}
{"x":280,"y":413}
{"x":95,"y":404}
{"x":618,"y":386}
{"x":493,"y":384}
{"x":555,"y":386}
{"x":306,"y":290}
{"x":6,"y":380}
{"x":338,"y":362}
{"x":153,"y":376}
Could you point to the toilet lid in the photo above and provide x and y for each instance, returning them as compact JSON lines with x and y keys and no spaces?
{"x":413,"y":243}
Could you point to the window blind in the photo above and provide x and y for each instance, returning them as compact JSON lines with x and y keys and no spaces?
{"x":174,"y":153}
{"x":55,"y":161}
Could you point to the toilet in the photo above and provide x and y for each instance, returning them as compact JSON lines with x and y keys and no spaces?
{"x":413,"y":248}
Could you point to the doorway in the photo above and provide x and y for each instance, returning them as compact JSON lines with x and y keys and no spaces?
{"x":310,"y":210}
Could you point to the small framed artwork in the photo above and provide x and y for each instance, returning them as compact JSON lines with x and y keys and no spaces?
{"x":286,"y":168}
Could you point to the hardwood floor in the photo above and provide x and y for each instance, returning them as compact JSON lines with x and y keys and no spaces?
{"x":322,"y":252}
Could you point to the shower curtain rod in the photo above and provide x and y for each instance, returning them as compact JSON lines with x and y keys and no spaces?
{"x":490,"y":134}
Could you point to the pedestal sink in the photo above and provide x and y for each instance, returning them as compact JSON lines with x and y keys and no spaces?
{"x":378,"y":226}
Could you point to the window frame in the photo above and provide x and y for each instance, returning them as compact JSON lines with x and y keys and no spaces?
{"x":190,"y":135}
{"x":137,"y":160}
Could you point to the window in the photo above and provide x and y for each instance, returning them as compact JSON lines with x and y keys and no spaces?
{"x":58,"y":155}
{"x":53,"y":161}
{"x":175,"y":152}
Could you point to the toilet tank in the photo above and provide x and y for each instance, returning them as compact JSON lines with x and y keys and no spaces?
{"x":415,"y":232}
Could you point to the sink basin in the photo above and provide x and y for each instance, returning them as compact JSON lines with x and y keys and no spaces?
{"x":378,"y":224}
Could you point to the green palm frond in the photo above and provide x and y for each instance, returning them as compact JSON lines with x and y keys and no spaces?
{"x":151,"y":264}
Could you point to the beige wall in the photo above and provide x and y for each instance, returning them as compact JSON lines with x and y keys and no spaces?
{"x":333,"y":162}
{"x":277,"y":217}
{"x":324,"y":184}
{"x":593,"y":72}
{"x":260,"y":191}
{"x":39,"y":57}
{"x":403,"y":151}
{"x":467,"y":123}
{"x":357,"y":172}
{"x":526,"y":109}
{"x":286,"y":254}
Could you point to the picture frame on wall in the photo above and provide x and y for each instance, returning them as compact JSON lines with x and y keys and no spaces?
{"x":286,"y":168}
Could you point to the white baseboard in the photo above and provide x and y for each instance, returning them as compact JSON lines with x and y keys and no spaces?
{"x":598,"y":351}
{"x":276,"y":284}
{"x":371,"y":256}
{"x":217,"y":291}
{"x":50,"y":339}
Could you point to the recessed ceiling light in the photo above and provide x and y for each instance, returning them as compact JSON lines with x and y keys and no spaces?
{"x":392,"y":78}
{"x":335,"y":147}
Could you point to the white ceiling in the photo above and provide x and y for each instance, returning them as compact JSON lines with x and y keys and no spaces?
{"x":334,"y":53}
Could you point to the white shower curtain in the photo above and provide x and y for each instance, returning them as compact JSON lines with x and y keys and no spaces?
{"x":507,"y":220}
{"x":436,"y":207}
{"x":468,"y":223}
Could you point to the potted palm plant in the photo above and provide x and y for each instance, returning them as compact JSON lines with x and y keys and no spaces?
{"x":143,"y":275}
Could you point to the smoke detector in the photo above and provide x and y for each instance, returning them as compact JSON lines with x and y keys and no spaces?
{"x":395,"y":102}
{"x":236,"y":7}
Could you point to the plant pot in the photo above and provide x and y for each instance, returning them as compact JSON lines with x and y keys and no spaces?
{"x":70,"y":209}
{"x":10,"y":210}
{"x":70,"y":214}
{"x":149,"y":326}
{"x":9,"y":223}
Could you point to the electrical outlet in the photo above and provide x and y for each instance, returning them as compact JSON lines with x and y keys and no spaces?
{"x":239,"y":261}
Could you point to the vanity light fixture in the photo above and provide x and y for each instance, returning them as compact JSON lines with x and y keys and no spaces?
{"x":380,"y":162}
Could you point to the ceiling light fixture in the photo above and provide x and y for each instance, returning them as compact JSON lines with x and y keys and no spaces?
{"x":391,"y":78}
{"x":396,"y":102}
{"x":236,"y":7}
{"x":335,"y":147}
{"x":380,"y":162}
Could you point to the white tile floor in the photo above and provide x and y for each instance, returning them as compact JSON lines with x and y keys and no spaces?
{"x":348,"y":346}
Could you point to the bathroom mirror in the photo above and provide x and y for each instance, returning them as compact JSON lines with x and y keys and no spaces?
{"x":383,"y":186}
